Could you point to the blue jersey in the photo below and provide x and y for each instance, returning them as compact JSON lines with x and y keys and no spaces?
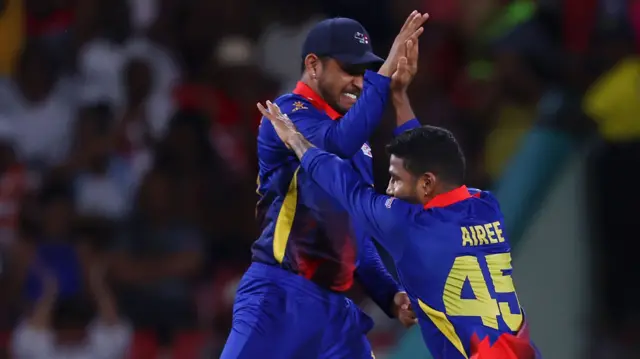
{"x":304,"y":231}
{"x":452,"y":256}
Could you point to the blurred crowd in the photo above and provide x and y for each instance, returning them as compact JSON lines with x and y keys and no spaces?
{"x":127,"y":143}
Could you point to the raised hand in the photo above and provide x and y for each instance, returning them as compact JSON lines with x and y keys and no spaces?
{"x":412,"y":29}
{"x":281,"y":122}
{"x":285,"y":129}
{"x":407,"y":67}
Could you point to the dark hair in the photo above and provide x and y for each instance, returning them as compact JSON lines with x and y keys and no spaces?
{"x":430,"y":149}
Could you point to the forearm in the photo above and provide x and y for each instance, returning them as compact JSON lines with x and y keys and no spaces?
{"x":299,"y":145}
{"x":402,"y":106}
{"x":344,"y":137}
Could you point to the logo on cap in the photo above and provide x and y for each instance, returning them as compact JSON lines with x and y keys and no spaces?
{"x":362,"y":38}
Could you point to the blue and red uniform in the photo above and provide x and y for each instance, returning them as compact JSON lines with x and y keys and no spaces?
{"x":290,"y":303}
{"x":452,"y":257}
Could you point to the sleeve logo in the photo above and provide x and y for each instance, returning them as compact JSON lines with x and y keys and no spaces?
{"x":367,"y":150}
{"x":389,"y":202}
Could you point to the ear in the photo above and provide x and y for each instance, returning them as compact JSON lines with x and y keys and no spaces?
{"x":313,"y":65}
{"x":427,"y":184}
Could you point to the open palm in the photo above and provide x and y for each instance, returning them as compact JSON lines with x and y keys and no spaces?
{"x":281,"y":122}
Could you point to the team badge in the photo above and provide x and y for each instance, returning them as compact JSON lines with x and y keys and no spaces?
{"x":298,"y":105}
{"x":362,"y":38}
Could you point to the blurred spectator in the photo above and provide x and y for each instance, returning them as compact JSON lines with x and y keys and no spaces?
{"x":70,"y":328}
{"x":280,"y":45}
{"x":52,"y":247}
{"x":104,"y":182}
{"x":40,"y":105}
{"x":51,"y":22}
{"x":155,"y":259}
{"x":109,"y":62}
{"x":135,"y":128}
{"x":13,"y":186}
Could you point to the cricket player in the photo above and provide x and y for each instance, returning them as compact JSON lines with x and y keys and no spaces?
{"x":290,"y":303}
{"x":448,"y":241}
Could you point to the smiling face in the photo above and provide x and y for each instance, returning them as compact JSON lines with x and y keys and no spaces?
{"x":339,"y":85}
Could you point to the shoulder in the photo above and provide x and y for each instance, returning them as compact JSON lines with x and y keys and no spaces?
{"x":487,"y":200}
{"x":401,"y":208}
{"x":292,"y":103}
{"x":296,"y":107}
{"x":484,"y":195}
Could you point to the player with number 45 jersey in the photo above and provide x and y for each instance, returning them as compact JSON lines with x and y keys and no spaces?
{"x":448,"y":241}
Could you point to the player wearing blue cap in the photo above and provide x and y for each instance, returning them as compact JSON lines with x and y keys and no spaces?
{"x":291,"y":302}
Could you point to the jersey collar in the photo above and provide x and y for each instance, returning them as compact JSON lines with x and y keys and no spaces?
{"x":305,"y":91}
{"x":446,"y":199}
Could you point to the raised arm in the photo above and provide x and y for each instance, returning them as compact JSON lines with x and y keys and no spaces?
{"x":405,"y":117}
{"x":343,"y":137}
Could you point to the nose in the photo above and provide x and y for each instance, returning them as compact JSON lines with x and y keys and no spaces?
{"x":358,"y":81}
{"x":389,"y":189}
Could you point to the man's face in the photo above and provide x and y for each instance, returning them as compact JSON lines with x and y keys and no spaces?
{"x":408,"y":187}
{"x":340,"y":86}
{"x":402,"y":184}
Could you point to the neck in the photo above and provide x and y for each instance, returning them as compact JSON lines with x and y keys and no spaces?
{"x":307,"y":80}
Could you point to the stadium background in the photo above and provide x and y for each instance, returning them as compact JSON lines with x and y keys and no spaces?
{"x":115,"y":114}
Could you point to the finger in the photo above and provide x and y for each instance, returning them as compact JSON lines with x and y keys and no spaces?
{"x":263,"y":111}
{"x":403,"y":64}
{"x":416,"y":22}
{"x":412,"y":52}
{"x":416,"y":34}
{"x":415,"y":49}
{"x":410,"y":18}
{"x":420,"y":20}
{"x":275,"y":109}
{"x":408,"y":48}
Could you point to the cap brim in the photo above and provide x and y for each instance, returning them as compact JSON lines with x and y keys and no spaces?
{"x":364,"y":59}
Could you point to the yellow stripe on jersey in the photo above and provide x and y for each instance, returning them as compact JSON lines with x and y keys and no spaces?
{"x":285,"y":219}
{"x":258,"y":186}
{"x":443,"y":324}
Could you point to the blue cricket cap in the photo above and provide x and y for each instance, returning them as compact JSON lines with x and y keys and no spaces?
{"x":345,"y":40}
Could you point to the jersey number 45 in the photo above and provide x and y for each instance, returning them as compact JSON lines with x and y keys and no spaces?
{"x":467,"y":268}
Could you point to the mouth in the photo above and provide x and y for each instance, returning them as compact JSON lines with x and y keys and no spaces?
{"x":350,"y":97}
